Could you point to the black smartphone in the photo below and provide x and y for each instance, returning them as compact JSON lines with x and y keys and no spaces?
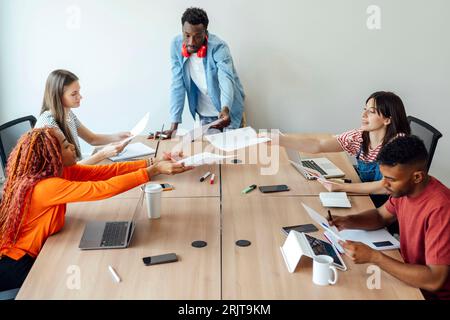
{"x":381,"y":244}
{"x":166,"y":187}
{"x":163,"y":258}
{"x":277,"y":188}
{"x":305,"y":228}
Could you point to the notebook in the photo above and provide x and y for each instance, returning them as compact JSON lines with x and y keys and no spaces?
{"x":334,"y":199}
{"x":131,"y":151}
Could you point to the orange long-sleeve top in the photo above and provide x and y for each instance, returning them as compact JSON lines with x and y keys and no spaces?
{"x":46,"y":214}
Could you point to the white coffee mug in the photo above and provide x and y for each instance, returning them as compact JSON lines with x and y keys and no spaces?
{"x":323,"y":270}
{"x":153,"y":200}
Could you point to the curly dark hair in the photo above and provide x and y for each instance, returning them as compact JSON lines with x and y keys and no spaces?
{"x":195,"y":16}
{"x":403,"y":150}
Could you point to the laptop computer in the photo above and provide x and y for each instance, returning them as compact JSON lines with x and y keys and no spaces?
{"x":307,"y":167}
{"x":110,"y":234}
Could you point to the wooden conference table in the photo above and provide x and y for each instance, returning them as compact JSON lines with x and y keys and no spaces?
{"x":218,"y":214}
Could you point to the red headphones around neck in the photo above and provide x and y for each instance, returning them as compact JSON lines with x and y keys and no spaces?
{"x":201,"y":53}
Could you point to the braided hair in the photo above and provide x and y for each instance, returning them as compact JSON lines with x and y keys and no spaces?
{"x":37,"y":156}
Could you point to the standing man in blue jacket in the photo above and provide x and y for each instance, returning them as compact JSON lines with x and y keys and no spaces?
{"x":202,"y":68}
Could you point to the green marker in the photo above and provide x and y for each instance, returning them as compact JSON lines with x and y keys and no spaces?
{"x":248,"y":189}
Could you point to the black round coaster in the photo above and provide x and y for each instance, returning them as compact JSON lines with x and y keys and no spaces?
{"x":236,"y":161}
{"x":243,"y":243}
{"x":199,"y":244}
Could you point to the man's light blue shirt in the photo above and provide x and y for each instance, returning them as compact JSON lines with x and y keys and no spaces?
{"x":224,"y":86}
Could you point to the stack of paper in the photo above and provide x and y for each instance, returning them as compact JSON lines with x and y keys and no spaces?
{"x":235,"y":139}
{"x":135,"y":150}
{"x":202,"y":159}
{"x":378,"y":239}
{"x":335,"y":199}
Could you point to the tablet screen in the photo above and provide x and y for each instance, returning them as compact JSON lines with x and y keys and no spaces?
{"x":321,"y":247}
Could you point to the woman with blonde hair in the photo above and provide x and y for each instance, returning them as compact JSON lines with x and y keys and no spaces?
{"x":62,"y":94}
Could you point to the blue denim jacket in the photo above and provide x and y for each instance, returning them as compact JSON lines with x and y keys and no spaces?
{"x":224,"y":86}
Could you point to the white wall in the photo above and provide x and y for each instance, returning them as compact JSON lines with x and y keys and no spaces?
{"x":306,"y":65}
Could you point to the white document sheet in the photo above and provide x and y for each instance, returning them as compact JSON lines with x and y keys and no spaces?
{"x":196,"y":133}
{"x":322,"y":222}
{"x":334,"y":199}
{"x":378,"y":239}
{"x":139,"y":128}
{"x":235,"y":139}
{"x":181,"y":132}
{"x":131,"y":151}
{"x":202,"y":159}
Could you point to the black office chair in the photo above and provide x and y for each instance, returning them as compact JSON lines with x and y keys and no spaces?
{"x":427,"y":133}
{"x":430,"y":137}
{"x":10,"y":133}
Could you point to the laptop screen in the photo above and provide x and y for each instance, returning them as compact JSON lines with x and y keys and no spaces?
{"x":139,"y":207}
{"x":294,"y":155}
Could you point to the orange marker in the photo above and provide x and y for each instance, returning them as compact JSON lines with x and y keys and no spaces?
{"x":212,"y":179}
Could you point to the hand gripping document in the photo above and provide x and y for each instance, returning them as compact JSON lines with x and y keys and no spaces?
{"x":203,"y":159}
{"x":320,"y":220}
{"x":139,"y":128}
{"x":378,"y":239}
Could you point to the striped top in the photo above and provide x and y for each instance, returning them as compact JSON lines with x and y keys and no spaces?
{"x":46,"y":119}
{"x":351,"y":141}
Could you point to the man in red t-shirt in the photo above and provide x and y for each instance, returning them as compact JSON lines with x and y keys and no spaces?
{"x":421,"y":205}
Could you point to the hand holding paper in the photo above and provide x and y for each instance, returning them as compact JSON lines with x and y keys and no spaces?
{"x":322,"y":222}
{"x":379,"y":239}
{"x":358,"y":252}
{"x":202,"y":159}
{"x":173,"y":156}
{"x":138,"y":129}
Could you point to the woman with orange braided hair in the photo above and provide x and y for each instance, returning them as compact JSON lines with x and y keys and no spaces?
{"x":41,"y":178}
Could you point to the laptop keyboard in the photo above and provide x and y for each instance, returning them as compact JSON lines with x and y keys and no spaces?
{"x":114,"y":234}
{"x":312,"y":165}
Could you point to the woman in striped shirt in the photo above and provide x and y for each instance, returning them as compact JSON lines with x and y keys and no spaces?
{"x":383,"y":119}
{"x":62,"y":94}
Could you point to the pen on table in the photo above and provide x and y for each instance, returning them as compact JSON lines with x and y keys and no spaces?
{"x":329,"y":215}
{"x":249,"y":188}
{"x":114,"y":274}
{"x":159,"y":140}
{"x":206,"y":175}
{"x":212,"y":179}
